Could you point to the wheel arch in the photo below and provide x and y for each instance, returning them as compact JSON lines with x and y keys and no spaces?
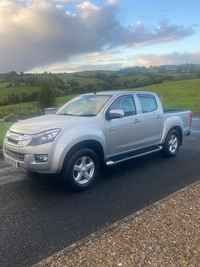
{"x":179,"y":130}
{"x":91,"y":144}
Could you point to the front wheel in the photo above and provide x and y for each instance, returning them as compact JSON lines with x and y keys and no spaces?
{"x":82,"y":169}
{"x":171,"y":145}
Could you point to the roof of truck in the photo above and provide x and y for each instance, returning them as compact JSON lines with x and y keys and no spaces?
{"x":119,"y":92}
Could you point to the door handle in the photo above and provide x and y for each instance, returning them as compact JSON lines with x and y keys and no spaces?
{"x":158,"y":117}
{"x":136,"y":121}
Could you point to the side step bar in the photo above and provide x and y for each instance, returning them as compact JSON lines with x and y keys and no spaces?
{"x":136,"y":154}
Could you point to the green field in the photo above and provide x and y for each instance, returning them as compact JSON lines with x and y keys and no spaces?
{"x":4,"y":126}
{"x":180,"y":94}
{"x":4,"y":92}
{"x":82,"y":81}
{"x":27,"y":110}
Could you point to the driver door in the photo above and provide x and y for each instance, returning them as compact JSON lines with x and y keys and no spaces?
{"x":123,"y":133}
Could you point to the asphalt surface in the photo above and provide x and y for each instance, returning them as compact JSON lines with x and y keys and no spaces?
{"x":39,"y":216}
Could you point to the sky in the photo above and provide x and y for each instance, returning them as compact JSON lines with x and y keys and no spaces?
{"x":74,"y":35}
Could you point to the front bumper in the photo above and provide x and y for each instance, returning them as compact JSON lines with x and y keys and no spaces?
{"x":26,"y":159}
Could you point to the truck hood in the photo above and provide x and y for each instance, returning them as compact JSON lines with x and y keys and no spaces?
{"x":43,"y":123}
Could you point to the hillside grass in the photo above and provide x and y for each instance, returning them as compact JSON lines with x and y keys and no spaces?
{"x":5,"y":91}
{"x":181,"y":94}
{"x":30,"y":109}
{"x":82,"y":80}
{"x":3,"y":84}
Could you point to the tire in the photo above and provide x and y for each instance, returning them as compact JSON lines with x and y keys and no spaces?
{"x":82,"y":170}
{"x":171,"y":145}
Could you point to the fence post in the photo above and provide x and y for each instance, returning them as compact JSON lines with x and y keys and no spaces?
{"x":161,"y":99}
{"x":199,"y":102}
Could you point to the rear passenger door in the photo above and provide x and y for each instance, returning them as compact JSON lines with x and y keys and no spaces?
{"x":151,"y":119}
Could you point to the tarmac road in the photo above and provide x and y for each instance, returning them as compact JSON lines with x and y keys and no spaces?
{"x":39,"y":217}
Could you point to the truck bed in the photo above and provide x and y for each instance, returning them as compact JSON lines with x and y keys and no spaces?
{"x":173,"y":110}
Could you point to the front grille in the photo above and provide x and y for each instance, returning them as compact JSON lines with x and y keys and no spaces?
{"x":13,"y":141}
{"x":14,"y":155}
{"x":17,"y":139}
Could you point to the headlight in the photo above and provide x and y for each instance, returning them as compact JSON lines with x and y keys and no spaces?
{"x":44,"y":137}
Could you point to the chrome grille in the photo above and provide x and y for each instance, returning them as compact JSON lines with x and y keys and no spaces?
{"x":13,"y":141}
{"x":14,"y":155}
{"x":14,"y":138}
{"x":17,"y":139}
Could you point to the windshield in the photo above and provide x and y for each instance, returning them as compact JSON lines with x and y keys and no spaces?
{"x":86,"y":105}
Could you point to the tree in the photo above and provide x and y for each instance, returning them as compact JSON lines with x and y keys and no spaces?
{"x":9,"y":75}
{"x":16,"y":81}
{"x":198,"y":72}
{"x":73,"y":83}
{"x":99,"y":75}
{"x":162,"y":69}
{"x":24,"y":97}
{"x":179,"y":70}
{"x":47,"y":95}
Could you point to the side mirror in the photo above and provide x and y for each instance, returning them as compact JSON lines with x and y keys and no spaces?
{"x":116,"y":114}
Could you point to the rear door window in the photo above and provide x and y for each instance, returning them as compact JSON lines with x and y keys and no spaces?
{"x":148,"y":103}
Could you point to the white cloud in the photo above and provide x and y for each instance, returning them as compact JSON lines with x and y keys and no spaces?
{"x":94,"y":55}
{"x":139,"y":36}
{"x":59,"y":6}
{"x":85,"y":67}
{"x":106,"y":61}
{"x":165,"y":59}
{"x":68,"y":0}
{"x":39,"y":33}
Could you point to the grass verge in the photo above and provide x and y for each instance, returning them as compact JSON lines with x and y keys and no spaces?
{"x":4,"y":126}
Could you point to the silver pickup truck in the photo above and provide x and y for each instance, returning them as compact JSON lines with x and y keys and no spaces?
{"x":105,"y":127}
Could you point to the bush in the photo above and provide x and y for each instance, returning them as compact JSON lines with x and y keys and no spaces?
{"x":10,"y":118}
{"x":9,"y":85}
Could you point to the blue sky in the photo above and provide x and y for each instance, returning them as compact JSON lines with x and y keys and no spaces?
{"x":76,"y":35}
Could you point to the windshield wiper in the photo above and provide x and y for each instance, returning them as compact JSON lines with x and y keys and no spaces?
{"x":81,"y":115}
{"x":65,"y":114}
{"x":87,"y":115}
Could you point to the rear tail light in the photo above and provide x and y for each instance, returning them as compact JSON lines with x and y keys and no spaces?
{"x":191,"y":118}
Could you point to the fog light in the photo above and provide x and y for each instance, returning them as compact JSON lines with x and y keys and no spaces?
{"x":41,"y":158}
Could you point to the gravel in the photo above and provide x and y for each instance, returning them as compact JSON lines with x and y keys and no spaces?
{"x":167,"y":234}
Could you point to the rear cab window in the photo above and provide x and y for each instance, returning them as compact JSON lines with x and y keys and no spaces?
{"x":148,"y":103}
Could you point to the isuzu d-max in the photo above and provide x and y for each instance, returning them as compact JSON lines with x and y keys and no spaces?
{"x":103,"y":127}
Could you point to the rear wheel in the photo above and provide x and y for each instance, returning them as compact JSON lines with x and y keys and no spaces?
{"x":171,"y":145}
{"x":82,"y":169}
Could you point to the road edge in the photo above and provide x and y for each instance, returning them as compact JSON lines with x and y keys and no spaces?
{"x":108,"y":228}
